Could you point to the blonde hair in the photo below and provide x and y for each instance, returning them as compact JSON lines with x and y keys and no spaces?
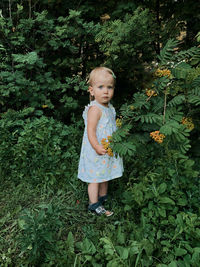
{"x":93,"y":74}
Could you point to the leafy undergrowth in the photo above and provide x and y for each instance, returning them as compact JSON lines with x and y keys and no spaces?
{"x":155,"y":223}
{"x":45,"y":228}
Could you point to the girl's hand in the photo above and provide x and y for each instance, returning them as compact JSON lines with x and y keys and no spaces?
{"x":100,"y":150}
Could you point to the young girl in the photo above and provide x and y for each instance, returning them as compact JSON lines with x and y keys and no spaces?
{"x":96,"y":167}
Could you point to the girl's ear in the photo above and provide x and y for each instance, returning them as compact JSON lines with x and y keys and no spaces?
{"x":90,"y":89}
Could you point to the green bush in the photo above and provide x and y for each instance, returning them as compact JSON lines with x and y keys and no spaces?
{"x":39,"y":230}
{"x":41,"y":150}
{"x":47,"y":49}
{"x":163,"y":187}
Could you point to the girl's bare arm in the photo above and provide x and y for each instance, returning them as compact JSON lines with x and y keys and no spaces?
{"x":94,"y":115}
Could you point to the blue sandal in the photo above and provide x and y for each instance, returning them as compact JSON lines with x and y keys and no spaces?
{"x":103,"y":199}
{"x":99,"y":209}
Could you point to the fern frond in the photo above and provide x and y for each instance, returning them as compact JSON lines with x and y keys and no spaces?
{"x":157,"y":105}
{"x":140,"y":100}
{"x":194,"y":99}
{"x":161,"y":83}
{"x":121,"y":133}
{"x":194,"y":94}
{"x":170,"y":127}
{"x":190,"y":53}
{"x":177,"y":100}
{"x":181,"y":70}
{"x":178,"y":133}
{"x":167,"y":51}
{"x":196,"y":83}
{"x":124,"y":148}
{"x":195,"y":59}
{"x":175,"y":113}
{"x":149,"y":118}
{"x":184,"y":147}
{"x":138,"y":138}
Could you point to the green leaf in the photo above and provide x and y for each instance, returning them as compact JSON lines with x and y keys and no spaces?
{"x":166,"y":200}
{"x":195,"y":257}
{"x":162,"y":212}
{"x":170,"y":127}
{"x":181,"y":70}
{"x":120,"y":236}
{"x":182,"y":202}
{"x":162,"y":188}
{"x":113,"y":263}
{"x":197,"y":250}
{"x":29,"y":58}
{"x":196,"y":82}
{"x":88,"y":247}
{"x":180,"y":251}
{"x":167,"y":51}
{"x":177,"y":100}
{"x":172,"y":264}
{"x":70,"y":242}
{"x":123,"y":252}
{"x":105,"y":240}
{"x":21,"y":223}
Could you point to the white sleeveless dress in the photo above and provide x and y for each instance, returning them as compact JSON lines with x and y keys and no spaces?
{"x":94,"y":168}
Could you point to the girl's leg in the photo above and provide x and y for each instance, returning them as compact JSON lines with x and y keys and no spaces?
{"x":103,"y":188}
{"x":93,"y":190}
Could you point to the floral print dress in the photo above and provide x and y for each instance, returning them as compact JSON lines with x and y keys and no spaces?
{"x":94,"y":168}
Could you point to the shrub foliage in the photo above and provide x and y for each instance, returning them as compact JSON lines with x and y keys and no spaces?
{"x":47,"y":49}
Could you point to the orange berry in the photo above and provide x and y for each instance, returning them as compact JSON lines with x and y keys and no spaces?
{"x":106,"y":145}
{"x":157,"y":136}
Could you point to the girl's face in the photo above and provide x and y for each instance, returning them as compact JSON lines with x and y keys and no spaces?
{"x":102,"y":88}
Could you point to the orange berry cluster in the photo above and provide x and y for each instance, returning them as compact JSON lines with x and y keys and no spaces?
{"x":150,"y":92}
{"x":119,"y":122}
{"x":188,"y":123}
{"x":106,"y":145}
{"x":161,"y":73}
{"x":157,"y":136}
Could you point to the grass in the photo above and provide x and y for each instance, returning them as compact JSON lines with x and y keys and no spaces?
{"x":72,"y":203}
